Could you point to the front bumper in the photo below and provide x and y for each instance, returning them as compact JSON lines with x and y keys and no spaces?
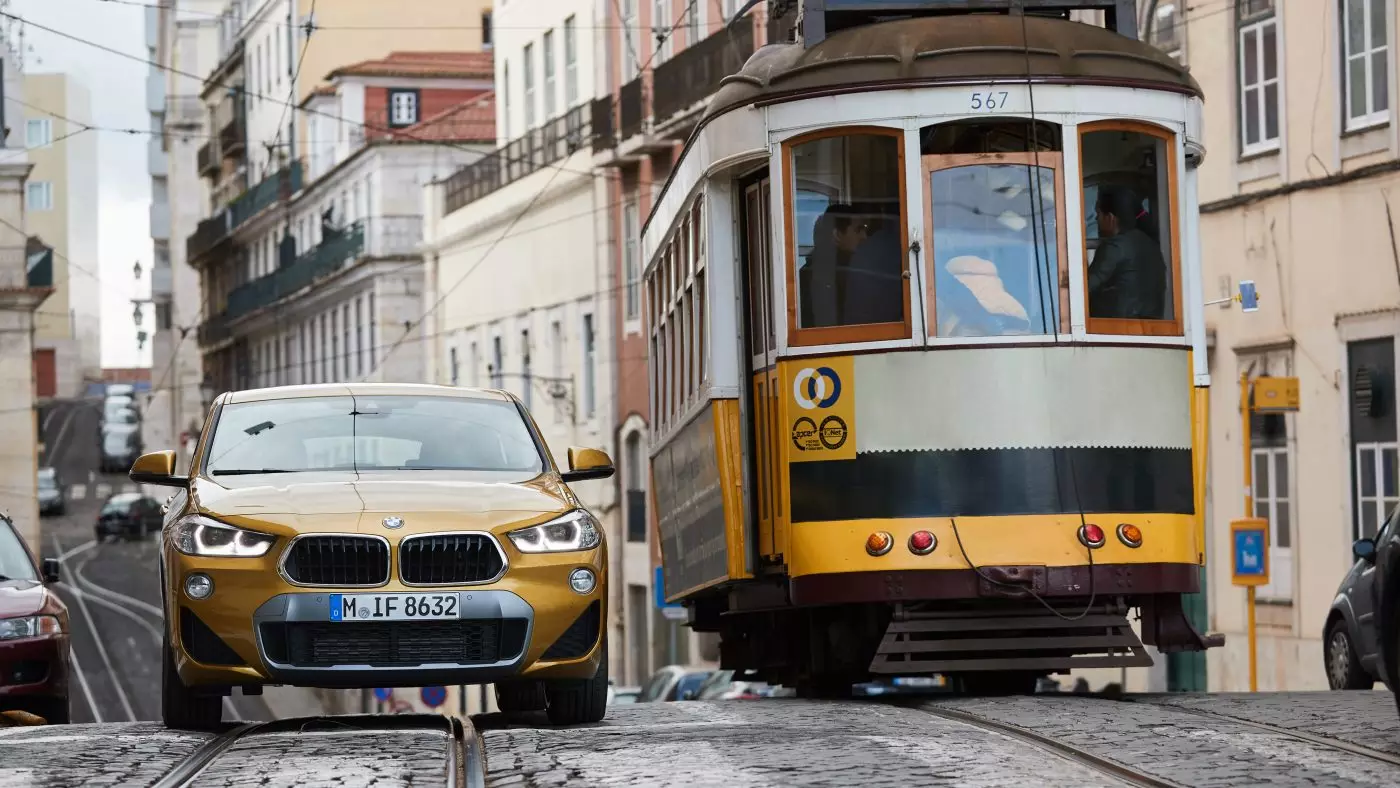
{"x":33,"y":667}
{"x":257,"y":628}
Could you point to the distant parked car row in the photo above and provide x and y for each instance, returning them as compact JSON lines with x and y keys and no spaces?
{"x":119,"y":432}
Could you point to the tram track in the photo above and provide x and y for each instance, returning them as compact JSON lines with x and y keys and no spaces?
{"x":463,"y":759}
{"x":1078,"y":755}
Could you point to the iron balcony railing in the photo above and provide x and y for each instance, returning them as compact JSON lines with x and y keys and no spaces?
{"x":323,"y":260}
{"x":207,"y":235}
{"x":280,"y":185}
{"x":214,"y":330}
{"x":631,"y":106}
{"x":557,"y":139}
{"x":693,"y":75}
{"x":208,"y":157}
{"x":229,"y":120}
{"x":603,"y":126}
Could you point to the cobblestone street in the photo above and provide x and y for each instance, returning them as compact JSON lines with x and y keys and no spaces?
{"x":1312,"y":739}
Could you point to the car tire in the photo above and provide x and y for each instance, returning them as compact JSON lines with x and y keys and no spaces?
{"x":579,"y":701}
{"x":55,"y":711}
{"x":179,"y":706}
{"x":520,"y":696}
{"x":1344,"y":669}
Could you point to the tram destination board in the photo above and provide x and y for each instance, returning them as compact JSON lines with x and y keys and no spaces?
{"x":690,"y":507}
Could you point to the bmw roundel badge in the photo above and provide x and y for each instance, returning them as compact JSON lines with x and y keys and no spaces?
{"x":393,"y":522}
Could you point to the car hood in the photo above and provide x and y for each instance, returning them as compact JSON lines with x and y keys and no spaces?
{"x":22,"y":598}
{"x":431,"y":500}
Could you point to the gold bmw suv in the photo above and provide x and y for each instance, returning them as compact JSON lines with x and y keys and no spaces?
{"x":380,"y":535}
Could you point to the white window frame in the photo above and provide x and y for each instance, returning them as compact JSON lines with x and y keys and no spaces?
{"x":1257,"y":28}
{"x":38,"y":133}
{"x":547,"y":53}
{"x":529,"y":77}
{"x":570,"y":63}
{"x":1373,"y":117}
{"x":38,"y":195}
{"x":661,"y":25}
{"x":1384,"y":502}
{"x":631,"y":42}
{"x":403,"y":108}
{"x":1280,"y":585}
{"x":631,"y":264}
{"x":588,"y":340}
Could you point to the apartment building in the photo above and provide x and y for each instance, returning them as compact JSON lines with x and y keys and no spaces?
{"x":1303,"y":154}
{"x":314,"y":174}
{"x":61,"y":209}
{"x":518,"y":292}
{"x":663,"y":60}
{"x":26,"y":282}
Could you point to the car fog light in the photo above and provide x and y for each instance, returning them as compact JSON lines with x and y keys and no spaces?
{"x":582,"y":581}
{"x":198,"y":586}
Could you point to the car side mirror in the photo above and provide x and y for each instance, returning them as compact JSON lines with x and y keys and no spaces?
{"x":50,"y":570}
{"x":588,"y":464}
{"x":1364,"y":549}
{"x":157,"y":468}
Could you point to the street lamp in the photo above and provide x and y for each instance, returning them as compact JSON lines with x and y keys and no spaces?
{"x":136,"y":270}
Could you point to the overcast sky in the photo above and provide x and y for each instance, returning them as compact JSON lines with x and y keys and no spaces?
{"x":117,"y":86}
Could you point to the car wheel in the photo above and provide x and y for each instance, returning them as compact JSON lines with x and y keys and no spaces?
{"x":179,"y":706}
{"x":579,"y":701}
{"x":1344,"y":670}
{"x":54,"y":710}
{"x":518,"y":696}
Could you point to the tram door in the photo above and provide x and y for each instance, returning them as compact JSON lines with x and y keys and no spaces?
{"x":764,"y":426}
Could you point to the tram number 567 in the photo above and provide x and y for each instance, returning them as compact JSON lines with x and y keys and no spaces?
{"x":991,"y":100}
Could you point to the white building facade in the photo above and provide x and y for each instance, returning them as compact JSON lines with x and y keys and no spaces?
{"x":518,"y":287}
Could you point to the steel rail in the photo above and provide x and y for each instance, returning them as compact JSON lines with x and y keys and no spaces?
{"x":196,"y":762}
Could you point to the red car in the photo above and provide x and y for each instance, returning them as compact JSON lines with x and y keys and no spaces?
{"x":33,"y":632}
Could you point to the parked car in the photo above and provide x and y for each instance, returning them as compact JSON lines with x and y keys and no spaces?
{"x":128,"y":516}
{"x":1383,"y":554}
{"x":33,"y":632}
{"x":673,"y":682}
{"x":113,"y":412}
{"x":53,"y":497}
{"x":380,"y":535}
{"x":725,"y":685}
{"x":121,"y":445}
{"x":622,"y":695}
{"x":120,"y":390}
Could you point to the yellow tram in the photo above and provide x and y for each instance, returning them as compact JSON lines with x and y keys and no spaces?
{"x":927,"y":349}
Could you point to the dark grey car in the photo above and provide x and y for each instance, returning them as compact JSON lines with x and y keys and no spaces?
{"x":1351,"y":641}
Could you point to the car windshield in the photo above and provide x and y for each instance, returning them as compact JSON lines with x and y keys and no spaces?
{"x":15,"y":563}
{"x":368,"y":433}
{"x":119,"y":504}
{"x":689,"y":684}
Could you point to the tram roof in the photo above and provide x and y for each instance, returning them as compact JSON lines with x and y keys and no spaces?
{"x":948,"y":49}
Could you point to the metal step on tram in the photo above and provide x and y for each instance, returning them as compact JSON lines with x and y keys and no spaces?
{"x":922,"y":639}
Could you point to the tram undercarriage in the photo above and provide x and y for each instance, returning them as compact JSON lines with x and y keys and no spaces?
{"x":981,"y":646}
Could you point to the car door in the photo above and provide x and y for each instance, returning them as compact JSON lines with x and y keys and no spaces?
{"x":1362,"y":594}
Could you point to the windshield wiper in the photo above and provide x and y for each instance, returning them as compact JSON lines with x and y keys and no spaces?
{"x":247,"y":471}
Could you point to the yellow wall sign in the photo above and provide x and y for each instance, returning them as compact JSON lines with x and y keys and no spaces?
{"x":1275,"y":395}
{"x":820,"y":409}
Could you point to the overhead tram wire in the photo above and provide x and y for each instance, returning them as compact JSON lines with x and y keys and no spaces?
{"x":417,"y":322}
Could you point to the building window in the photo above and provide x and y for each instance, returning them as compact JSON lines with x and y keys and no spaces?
{"x":1166,"y":30}
{"x":631,"y":262}
{"x":631,"y":38}
{"x":1258,"y":76}
{"x":529,"y":56}
{"x":661,"y":22}
{"x":359,"y":338}
{"x":556,"y":341}
{"x":335,"y":345}
{"x":548,"y":44}
{"x":692,"y":24}
{"x":403,"y":107}
{"x":1375,"y":447}
{"x":345,"y":333}
{"x":1366,"y":83}
{"x":38,"y":195}
{"x":590,"y":353}
{"x":473,"y":375}
{"x":373,"y":350}
{"x":505,"y":100}
{"x":497,"y":359}
{"x":486,"y":40}
{"x":452,"y":364}
{"x":636,"y":491}
{"x":570,"y":64}
{"x":38,"y":133}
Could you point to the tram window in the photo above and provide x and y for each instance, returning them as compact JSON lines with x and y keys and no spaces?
{"x":849,"y":249}
{"x":994,"y":239}
{"x":1133,"y":269}
{"x":1011,"y":135}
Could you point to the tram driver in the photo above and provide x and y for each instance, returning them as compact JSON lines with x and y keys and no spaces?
{"x":1128,"y":276}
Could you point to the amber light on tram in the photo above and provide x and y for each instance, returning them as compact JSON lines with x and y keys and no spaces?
{"x":879,"y":543}
{"x":922,"y":543}
{"x":1130,"y":535}
{"x":1091,"y":535}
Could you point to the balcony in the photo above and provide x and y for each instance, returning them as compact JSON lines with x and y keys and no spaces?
{"x":162,"y":281}
{"x":280,"y":185}
{"x":160,"y":221}
{"x":557,"y":139}
{"x":214,"y":330}
{"x":155,"y":91}
{"x":690,"y":78}
{"x":184,"y":111}
{"x":322,"y":261}
{"x":228,"y":189}
{"x":208,"y":235}
{"x":229,"y":120}
{"x":601,"y":113}
{"x":208,"y":158}
{"x":157,"y":164}
{"x":631,"y":109}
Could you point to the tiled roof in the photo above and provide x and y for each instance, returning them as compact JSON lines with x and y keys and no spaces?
{"x":474,"y":120}
{"x":440,"y":65}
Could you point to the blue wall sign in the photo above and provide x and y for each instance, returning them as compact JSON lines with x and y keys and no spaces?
{"x":1249,"y":550}
{"x":658,"y":588}
{"x":433,"y":696}
{"x":383,"y":694}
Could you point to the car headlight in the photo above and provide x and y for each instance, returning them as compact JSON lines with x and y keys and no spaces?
{"x":201,"y":536}
{"x":29,"y":627}
{"x":577,"y":530}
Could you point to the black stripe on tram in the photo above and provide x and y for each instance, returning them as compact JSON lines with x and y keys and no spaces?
{"x":992,"y":482}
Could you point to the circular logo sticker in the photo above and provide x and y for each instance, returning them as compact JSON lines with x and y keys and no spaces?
{"x":818,"y":387}
{"x":393,"y":522}
{"x":833,"y":432}
{"x":804,"y":434}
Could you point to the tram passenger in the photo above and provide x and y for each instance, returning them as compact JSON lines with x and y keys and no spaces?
{"x":1127,"y":278}
{"x":874,"y":291}
{"x":822,"y":281}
